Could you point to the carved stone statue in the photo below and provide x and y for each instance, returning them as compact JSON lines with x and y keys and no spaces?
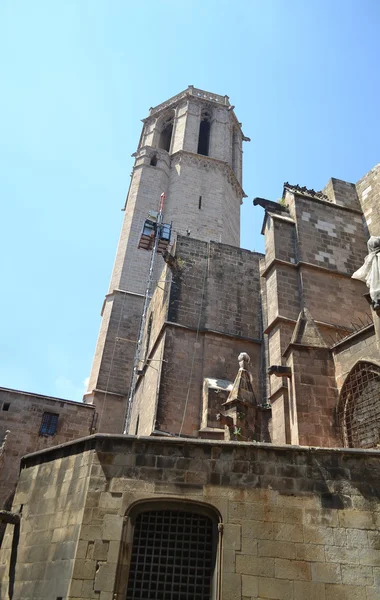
{"x":370,"y":271}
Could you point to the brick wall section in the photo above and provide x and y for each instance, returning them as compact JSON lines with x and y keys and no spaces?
{"x":297,"y":522}
{"x":369,"y":195}
{"x":23,"y":420}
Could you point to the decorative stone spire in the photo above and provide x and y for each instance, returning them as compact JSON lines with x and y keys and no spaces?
{"x":242,"y":389}
{"x":239,"y":416}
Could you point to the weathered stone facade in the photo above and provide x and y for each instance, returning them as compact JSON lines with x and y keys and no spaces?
{"x":202,"y":317}
{"x":203,"y":196}
{"x":296,"y":523}
{"x":293,"y":514}
{"x":21,"y":415}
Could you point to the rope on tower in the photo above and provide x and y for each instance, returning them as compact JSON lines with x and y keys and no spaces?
{"x":155,"y":234}
{"x":196,"y":339}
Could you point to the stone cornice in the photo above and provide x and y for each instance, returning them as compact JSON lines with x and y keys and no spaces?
{"x":195,"y":95}
{"x":308,"y":197}
{"x":299,"y":265}
{"x":210,"y":163}
{"x":43,"y":397}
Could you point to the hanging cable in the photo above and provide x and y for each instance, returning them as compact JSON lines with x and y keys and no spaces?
{"x":143,"y":316}
{"x":196,"y":339}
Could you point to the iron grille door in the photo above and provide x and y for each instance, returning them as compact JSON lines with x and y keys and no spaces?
{"x":172,"y":556}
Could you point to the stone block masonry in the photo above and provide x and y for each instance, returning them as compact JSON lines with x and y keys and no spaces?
{"x":21,"y":415}
{"x":203,"y":197}
{"x":297,"y":522}
{"x":206,"y":313}
{"x":368,"y":189}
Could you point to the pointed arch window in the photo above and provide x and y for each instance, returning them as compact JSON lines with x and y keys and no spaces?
{"x":359,"y":407}
{"x":204,"y":133}
{"x":165,"y":138}
{"x":235,"y":150}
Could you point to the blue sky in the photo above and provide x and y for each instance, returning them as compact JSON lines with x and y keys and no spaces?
{"x":77,"y":77}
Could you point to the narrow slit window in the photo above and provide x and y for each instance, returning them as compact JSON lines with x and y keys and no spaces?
{"x":204,"y":134}
{"x":200,"y":202}
{"x":235,"y":150}
{"x":49,"y":424}
{"x":166,"y":135}
{"x":153,"y":160}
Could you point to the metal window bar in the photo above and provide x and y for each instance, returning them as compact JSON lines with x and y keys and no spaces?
{"x":359,"y":407}
{"x":49,"y":424}
{"x":172,"y":556}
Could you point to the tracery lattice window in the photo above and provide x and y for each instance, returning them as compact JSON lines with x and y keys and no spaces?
{"x":359,"y":407}
{"x":173,"y":556}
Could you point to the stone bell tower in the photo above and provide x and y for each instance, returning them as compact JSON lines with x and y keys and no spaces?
{"x":191,"y":149}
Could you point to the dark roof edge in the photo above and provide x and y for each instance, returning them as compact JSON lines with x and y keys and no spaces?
{"x":91,"y":442}
{"x":42,"y":396}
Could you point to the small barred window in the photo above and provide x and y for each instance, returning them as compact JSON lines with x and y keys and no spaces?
{"x":359,"y":407}
{"x":49,"y":424}
{"x":173,"y":556}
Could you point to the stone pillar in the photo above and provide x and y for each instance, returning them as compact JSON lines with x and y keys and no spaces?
{"x":313,"y":393}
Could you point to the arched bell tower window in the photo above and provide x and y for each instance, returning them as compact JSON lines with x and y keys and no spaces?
{"x":235,"y":150}
{"x":359,"y":407}
{"x":173,"y":553}
{"x":204,"y":133}
{"x":166,"y":134}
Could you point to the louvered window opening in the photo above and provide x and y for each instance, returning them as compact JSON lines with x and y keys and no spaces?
{"x":172,"y":556}
{"x":359,"y":408}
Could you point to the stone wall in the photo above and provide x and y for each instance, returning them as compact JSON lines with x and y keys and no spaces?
{"x":203,"y":196}
{"x":51,"y":497}
{"x":297,"y":522}
{"x":368,"y":189}
{"x":209,"y":311}
{"x":329,"y":235}
{"x":21,"y":414}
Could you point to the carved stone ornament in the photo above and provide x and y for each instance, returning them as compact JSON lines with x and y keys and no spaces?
{"x":369,"y":272}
